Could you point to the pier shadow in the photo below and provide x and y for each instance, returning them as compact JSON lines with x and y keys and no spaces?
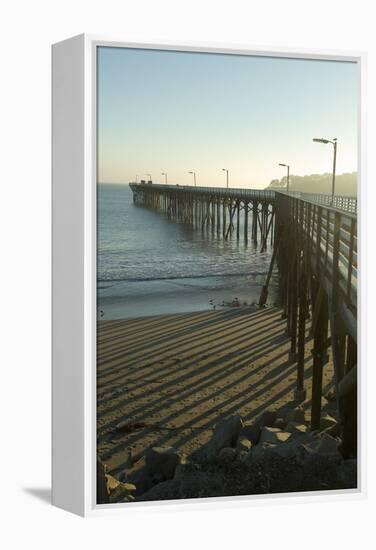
{"x":176,"y":376}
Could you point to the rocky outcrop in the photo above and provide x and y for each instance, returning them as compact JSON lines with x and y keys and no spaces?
{"x":243,"y":458}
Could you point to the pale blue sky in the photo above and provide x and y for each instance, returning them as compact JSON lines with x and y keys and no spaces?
{"x":173,"y":112}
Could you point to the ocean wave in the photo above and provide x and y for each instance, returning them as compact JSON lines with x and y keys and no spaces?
{"x":180,"y":277}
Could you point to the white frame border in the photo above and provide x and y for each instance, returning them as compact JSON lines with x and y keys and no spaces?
{"x":88,"y":507}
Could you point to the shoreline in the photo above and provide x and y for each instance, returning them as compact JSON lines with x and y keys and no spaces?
{"x":128,"y":300}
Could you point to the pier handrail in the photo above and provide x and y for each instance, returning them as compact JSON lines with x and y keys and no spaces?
{"x":330,"y":236}
{"x":202,"y":190}
{"x":340,"y":202}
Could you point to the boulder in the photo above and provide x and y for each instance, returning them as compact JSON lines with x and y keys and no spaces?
{"x":161,"y":462}
{"x":112,"y":483}
{"x":226,"y":455}
{"x":243,"y":444}
{"x":120,"y":492}
{"x":185,"y":468}
{"x":296,"y":427}
{"x":331,"y":395}
{"x":242,"y":456}
{"x":267,"y":418}
{"x":326,"y":444}
{"x":250,"y":431}
{"x":324,"y":402}
{"x":139,"y":476}
{"x":327,"y":421}
{"x":296,"y":415}
{"x":273,"y":435}
{"x":260,"y":452}
{"x":192,"y":483}
{"x":279,"y":423}
{"x":319,"y":451}
{"x":225,"y":434}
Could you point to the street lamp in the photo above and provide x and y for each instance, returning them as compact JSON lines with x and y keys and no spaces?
{"x":288,"y":174}
{"x":225,"y":170}
{"x":334,"y":143}
{"x":194,"y":176}
{"x":165,"y":175}
{"x":136,"y":178}
{"x":149,"y":176}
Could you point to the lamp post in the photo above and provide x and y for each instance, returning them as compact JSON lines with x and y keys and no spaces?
{"x":149,"y":176}
{"x":288,"y":174}
{"x":136,"y":178}
{"x":334,"y":143}
{"x":194,"y":177}
{"x":165,"y":176}
{"x":225,"y":170}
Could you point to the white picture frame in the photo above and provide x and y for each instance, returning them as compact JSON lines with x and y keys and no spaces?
{"x":74,"y":273}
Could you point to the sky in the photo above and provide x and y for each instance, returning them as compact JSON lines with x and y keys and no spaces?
{"x":175,"y":112}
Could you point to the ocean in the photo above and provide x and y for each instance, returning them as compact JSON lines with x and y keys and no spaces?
{"x":149,"y":265}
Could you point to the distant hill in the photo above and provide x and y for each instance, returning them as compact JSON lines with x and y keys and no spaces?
{"x":346,"y":184}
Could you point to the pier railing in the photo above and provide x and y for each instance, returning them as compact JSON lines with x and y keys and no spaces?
{"x":329,"y":238}
{"x":340,"y":202}
{"x":232,"y":192}
{"x":318,"y":269}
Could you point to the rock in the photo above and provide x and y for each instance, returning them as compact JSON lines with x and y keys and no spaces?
{"x":292,"y":447}
{"x":296,"y":427}
{"x":140,"y":476}
{"x":225,"y":434}
{"x":296,"y":415}
{"x":243,"y":444}
{"x":326,"y":444}
{"x":112,"y":483}
{"x":327,"y":421}
{"x":321,"y":450}
{"x":273,"y":435}
{"x":161,"y":462}
{"x":226,"y":455}
{"x":242,"y":456}
{"x":267,"y":418}
{"x":260,"y":452}
{"x":331,"y":395}
{"x":193,"y":484}
{"x":120,"y":492}
{"x":333,"y":430}
{"x":183,"y":469}
{"x":102,"y":492}
{"x":251,"y":432}
{"x":324,"y":402}
{"x":279,"y":423}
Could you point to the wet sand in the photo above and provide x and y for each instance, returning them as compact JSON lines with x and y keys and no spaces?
{"x":167,"y":379}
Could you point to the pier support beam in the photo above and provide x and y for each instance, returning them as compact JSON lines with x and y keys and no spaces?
{"x":320,"y":336}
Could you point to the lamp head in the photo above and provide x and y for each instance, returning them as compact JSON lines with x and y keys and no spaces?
{"x":321,"y":140}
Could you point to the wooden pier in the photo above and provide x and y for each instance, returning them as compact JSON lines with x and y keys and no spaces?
{"x":314,"y":240}
{"x":218,"y":209}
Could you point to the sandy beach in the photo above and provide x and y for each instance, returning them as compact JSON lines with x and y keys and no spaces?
{"x":167,"y":380}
